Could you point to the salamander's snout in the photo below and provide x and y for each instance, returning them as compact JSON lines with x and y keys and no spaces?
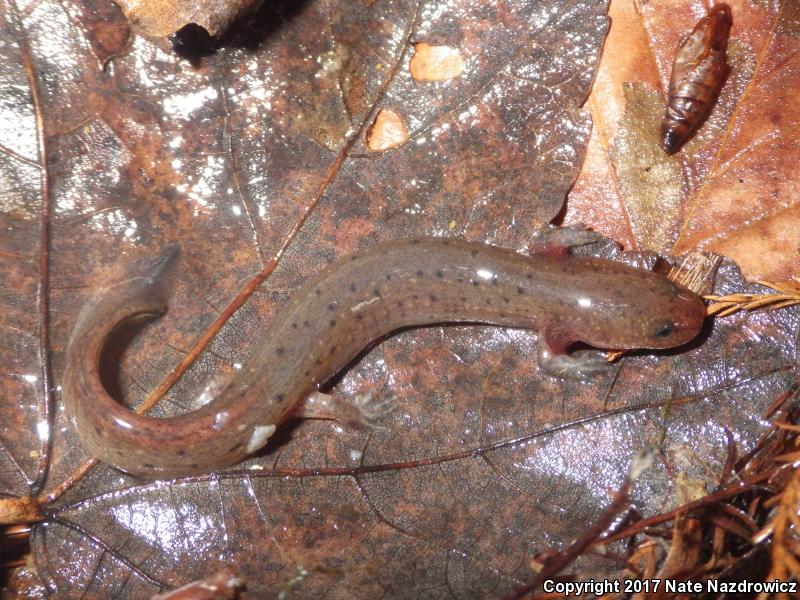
{"x":680,"y":322}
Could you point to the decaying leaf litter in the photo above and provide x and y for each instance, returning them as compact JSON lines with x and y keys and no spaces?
{"x":387,"y":205}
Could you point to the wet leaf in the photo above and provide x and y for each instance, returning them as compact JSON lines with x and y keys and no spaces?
{"x":256,"y":162}
{"x":734,"y":188}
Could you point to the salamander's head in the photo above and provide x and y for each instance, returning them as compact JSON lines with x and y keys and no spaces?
{"x":678,"y":319}
{"x":664,"y":315}
{"x":632,"y":308}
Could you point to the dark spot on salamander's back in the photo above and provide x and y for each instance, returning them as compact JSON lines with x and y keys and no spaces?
{"x":433,"y":297}
{"x":520,"y":290}
{"x":353,"y":287}
{"x":279,"y":397}
{"x":377,"y":292}
{"x":420,"y":273}
{"x":333,"y":322}
{"x":440,"y":273}
{"x":280,"y":351}
{"x":473,"y":252}
{"x":332,"y":306}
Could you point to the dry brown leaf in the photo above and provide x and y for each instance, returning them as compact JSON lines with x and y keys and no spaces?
{"x":159,"y":18}
{"x":734,"y":189}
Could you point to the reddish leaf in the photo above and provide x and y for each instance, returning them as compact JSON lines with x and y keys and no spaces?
{"x":734,"y":189}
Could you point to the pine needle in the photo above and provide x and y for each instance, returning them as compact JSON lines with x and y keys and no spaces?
{"x":732,"y":303}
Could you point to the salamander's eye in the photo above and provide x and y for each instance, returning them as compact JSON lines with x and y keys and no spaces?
{"x":664,"y":330}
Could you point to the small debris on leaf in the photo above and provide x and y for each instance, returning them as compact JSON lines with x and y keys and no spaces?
{"x":388,"y":131}
{"x":435,"y":63}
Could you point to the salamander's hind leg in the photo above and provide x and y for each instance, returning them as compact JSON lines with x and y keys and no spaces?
{"x":554,"y":360}
{"x":359,"y":413}
{"x":558,"y":241}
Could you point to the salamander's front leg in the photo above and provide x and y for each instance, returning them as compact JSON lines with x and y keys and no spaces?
{"x":554,"y":359}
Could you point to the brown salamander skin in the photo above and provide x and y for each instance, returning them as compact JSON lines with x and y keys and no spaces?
{"x":698,"y":74}
{"x":351,"y":304}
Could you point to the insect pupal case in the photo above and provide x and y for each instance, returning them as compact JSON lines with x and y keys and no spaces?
{"x":698,"y":74}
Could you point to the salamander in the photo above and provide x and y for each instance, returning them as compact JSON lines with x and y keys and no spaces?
{"x":354,"y":302}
